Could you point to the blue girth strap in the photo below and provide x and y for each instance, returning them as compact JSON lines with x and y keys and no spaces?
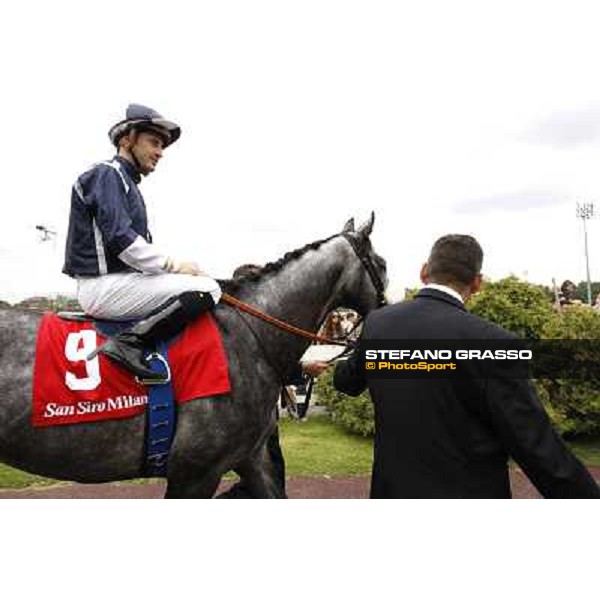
{"x":160,"y":427}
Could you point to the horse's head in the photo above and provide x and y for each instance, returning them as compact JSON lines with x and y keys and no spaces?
{"x":365,"y":277}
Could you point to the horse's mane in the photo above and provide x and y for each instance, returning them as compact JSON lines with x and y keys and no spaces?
{"x":233,"y":285}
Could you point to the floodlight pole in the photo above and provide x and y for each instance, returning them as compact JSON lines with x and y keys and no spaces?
{"x":585,"y":211}
{"x":47,"y":234}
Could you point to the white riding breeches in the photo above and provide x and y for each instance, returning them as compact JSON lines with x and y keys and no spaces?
{"x":125,"y":296}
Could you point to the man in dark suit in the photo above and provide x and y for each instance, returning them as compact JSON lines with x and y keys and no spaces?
{"x":451,"y":437}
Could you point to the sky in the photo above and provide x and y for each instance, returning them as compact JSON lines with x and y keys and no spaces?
{"x":455,"y":117}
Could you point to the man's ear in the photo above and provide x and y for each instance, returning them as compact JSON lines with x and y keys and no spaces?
{"x":130,"y":139}
{"x":476,"y":284}
{"x":425,"y":273}
{"x":125,"y":142}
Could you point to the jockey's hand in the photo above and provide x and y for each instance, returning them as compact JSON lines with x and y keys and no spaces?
{"x":314,"y":367}
{"x":188,"y":268}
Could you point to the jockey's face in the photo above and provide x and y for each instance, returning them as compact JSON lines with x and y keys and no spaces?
{"x":146,"y":147}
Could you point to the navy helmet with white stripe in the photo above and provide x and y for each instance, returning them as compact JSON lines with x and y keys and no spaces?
{"x":141,"y":118}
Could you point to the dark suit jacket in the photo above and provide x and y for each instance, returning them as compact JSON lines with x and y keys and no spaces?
{"x":451,"y":438}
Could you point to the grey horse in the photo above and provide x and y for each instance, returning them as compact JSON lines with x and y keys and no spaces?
{"x":217,"y":434}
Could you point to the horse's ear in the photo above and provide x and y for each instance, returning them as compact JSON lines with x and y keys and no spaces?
{"x":349,"y":226}
{"x":367,"y":228}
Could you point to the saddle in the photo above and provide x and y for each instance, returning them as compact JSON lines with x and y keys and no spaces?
{"x":69,"y":388}
{"x":105,"y":327}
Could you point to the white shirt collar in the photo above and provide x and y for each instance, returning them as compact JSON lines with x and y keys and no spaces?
{"x":445,"y":289}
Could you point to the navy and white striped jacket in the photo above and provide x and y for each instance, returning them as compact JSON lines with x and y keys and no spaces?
{"x":108,"y":215}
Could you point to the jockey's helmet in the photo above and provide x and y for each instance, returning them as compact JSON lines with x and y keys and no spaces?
{"x":141,"y":118}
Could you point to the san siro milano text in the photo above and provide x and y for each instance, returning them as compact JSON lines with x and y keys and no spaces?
{"x":87,"y":407}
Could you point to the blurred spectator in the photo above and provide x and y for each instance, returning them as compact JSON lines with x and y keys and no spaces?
{"x":245,"y":270}
{"x":349,"y":325}
{"x":568,"y":293}
{"x":333,"y":328}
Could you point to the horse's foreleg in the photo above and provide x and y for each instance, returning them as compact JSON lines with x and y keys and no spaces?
{"x":262,"y":475}
{"x":186,"y":479}
{"x":186,"y":485}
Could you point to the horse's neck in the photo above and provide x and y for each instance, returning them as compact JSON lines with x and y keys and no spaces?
{"x":301,"y":294}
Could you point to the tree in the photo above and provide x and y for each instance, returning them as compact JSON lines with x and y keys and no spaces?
{"x":44,"y":304}
{"x":582,"y":290}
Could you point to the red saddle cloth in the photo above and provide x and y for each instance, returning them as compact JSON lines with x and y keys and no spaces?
{"x":68,"y":389}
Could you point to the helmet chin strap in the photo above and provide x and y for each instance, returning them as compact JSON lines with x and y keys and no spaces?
{"x":133,"y":139}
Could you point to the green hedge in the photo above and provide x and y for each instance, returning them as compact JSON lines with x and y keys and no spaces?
{"x":523,"y":308}
{"x":516,"y":305}
{"x":355,"y":414}
{"x":573,"y":405}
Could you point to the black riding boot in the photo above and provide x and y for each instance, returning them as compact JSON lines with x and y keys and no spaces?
{"x":128,"y":347}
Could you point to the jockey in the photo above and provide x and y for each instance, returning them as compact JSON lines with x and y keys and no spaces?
{"x":121,"y":275}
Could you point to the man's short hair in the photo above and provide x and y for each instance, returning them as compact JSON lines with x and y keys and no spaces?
{"x":455,"y":259}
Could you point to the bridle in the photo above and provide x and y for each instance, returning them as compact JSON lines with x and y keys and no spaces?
{"x":348,"y":345}
{"x":367,"y":263}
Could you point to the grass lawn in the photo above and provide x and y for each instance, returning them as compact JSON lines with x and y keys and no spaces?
{"x":314,"y":447}
{"x":588,"y":451}
{"x":13,"y":478}
{"x":319,"y":447}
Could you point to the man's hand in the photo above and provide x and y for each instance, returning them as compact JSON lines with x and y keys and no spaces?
{"x":189,"y":268}
{"x":183,"y":267}
{"x":315,"y":367}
